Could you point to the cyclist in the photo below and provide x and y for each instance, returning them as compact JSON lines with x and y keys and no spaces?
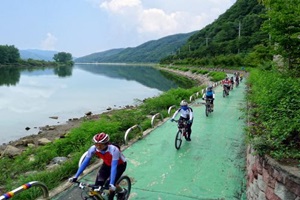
{"x":114,"y":164}
{"x":237,"y":80}
{"x":226,"y":85}
{"x":186,"y":114}
{"x":210,"y":96}
{"x":232,"y":83}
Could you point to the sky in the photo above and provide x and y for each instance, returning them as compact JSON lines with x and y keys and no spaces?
{"x":83,"y":27}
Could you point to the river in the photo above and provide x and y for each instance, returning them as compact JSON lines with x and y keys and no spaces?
{"x":28,"y":98}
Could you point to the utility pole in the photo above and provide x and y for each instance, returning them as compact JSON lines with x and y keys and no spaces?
{"x":239,"y":36}
{"x":206,"y":40}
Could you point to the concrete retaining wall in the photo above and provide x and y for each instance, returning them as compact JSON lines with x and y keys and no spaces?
{"x":268,"y":180}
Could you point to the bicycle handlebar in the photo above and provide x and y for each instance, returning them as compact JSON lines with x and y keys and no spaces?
{"x":96,"y":188}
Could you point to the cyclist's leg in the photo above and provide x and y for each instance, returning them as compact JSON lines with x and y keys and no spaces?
{"x":120,"y":170}
{"x":103,"y":175}
{"x":189,"y":129}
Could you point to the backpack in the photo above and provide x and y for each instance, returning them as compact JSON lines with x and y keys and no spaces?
{"x":115,"y":144}
{"x":209,"y":93}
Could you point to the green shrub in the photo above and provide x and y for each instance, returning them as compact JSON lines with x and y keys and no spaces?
{"x":275,"y":114}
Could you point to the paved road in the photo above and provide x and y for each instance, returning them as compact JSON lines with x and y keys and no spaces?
{"x":211,"y":166}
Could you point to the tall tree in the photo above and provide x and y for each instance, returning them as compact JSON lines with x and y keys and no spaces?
{"x":283,"y":26}
{"x":63,"y":57}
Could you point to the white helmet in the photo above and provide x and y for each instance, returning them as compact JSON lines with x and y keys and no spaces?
{"x":183,"y":103}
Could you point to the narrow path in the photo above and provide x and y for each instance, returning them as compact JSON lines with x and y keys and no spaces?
{"x":211,"y":166}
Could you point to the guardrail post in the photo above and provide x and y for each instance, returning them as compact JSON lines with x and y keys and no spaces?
{"x":192,"y":98}
{"x":170,"y":108}
{"x":130,"y":129}
{"x":154,"y":116}
{"x":26,"y":186}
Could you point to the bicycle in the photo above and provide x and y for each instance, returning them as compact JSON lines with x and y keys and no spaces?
{"x":208,"y":107}
{"x":182,"y":132}
{"x":92,"y":192}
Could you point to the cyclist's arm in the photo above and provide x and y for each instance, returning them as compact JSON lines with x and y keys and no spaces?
{"x":191,"y":115}
{"x":175,"y":114}
{"x":86,"y":161}
{"x":114,"y":165}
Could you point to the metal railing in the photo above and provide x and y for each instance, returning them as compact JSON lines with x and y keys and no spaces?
{"x":130,"y":129}
{"x":26,"y":186}
{"x":155,"y":116}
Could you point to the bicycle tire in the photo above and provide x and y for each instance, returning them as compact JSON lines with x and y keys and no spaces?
{"x":178,"y":140}
{"x":224,"y":93}
{"x":207,"y":110}
{"x":125,"y":183}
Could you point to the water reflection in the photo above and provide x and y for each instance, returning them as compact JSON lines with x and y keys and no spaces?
{"x":10,"y":76}
{"x":147,"y":76}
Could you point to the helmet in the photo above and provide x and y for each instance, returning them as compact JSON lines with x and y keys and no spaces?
{"x":101,"y":138}
{"x":183,"y":103}
{"x":209,"y":88}
{"x":226,"y":78}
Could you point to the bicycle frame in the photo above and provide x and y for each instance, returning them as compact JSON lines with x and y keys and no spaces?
{"x":102,"y":193}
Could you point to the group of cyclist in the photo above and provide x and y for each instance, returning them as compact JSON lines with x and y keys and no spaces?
{"x":114,"y":162}
{"x":228,"y":83}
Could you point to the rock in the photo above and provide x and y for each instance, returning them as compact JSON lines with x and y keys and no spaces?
{"x":59,"y":160}
{"x":43,"y":141}
{"x":24,"y":142}
{"x":88,"y":113}
{"x":27,"y":128}
{"x":11,"y":151}
{"x":54,"y":117}
{"x":109,"y":108}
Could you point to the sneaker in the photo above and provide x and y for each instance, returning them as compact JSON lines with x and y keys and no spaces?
{"x":188,"y":139}
{"x":122,"y":195}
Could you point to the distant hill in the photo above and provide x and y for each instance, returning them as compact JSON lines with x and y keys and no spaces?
{"x":37,"y":54}
{"x":98,"y":57}
{"x":149,"y":52}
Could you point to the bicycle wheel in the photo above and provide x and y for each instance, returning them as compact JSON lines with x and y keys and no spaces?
{"x":207,"y":110}
{"x":125,"y":183}
{"x":178,"y":140}
{"x":224,"y":93}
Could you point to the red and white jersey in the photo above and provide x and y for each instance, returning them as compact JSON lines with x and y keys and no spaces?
{"x":226,"y":82}
{"x":112,"y":153}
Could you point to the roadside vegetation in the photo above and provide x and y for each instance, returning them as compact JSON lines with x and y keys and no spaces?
{"x":274,"y":113}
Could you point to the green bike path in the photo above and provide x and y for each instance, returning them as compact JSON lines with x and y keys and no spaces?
{"x":211,"y":166}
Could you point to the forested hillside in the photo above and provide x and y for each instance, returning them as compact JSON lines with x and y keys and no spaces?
{"x":149,"y":52}
{"x":237,"y":31}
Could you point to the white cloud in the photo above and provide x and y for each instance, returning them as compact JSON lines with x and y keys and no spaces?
{"x":120,"y":6}
{"x":49,"y":43}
